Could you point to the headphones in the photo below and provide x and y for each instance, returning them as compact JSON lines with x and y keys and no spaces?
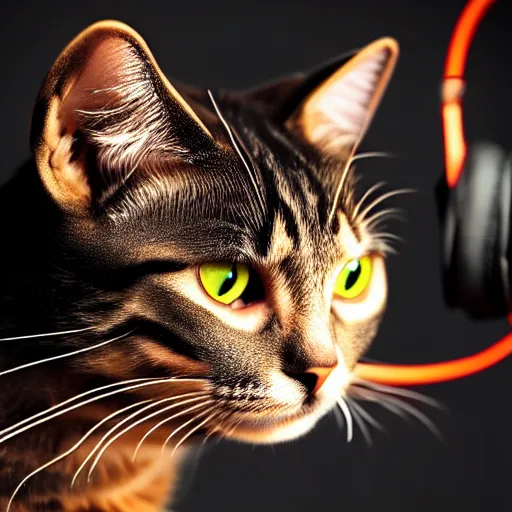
{"x":473,"y":196}
{"x":474,"y":208}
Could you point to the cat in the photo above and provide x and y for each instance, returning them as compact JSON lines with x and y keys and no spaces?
{"x":178,"y":264}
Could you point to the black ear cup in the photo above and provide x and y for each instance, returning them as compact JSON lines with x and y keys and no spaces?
{"x":475,"y":223}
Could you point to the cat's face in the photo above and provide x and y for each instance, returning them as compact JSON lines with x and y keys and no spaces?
{"x":218,"y":233}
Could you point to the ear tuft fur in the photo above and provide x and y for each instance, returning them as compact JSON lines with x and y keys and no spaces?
{"x":105,"y":111}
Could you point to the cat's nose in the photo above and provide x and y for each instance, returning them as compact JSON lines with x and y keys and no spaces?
{"x":314,"y":378}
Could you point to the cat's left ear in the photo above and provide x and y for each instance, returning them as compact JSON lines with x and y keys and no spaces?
{"x":106,"y":110}
{"x":333,"y":106}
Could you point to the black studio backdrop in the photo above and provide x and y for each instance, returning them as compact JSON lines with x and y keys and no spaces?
{"x":228,"y":44}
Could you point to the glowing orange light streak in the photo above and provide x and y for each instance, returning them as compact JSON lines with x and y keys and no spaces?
{"x":455,"y":153}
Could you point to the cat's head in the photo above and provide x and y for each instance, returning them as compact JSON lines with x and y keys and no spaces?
{"x":218,"y":233}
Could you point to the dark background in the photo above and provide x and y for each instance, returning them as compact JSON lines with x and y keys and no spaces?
{"x":227,"y":44}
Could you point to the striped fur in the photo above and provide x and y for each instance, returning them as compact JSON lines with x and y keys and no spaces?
{"x":133,"y":183}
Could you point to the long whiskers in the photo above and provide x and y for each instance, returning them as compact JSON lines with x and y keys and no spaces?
{"x":200,"y":414}
{"x":71,"y":450}
{"x":371,"y":223}
{"x":361,"y":415}
{"x":345,"y":173}
{"x":154,"y":403}
{"x":366,"y":415}
{"x":94,"y":399}
{"x":70,"y":400}
{"x":133,"y":425}
{"x":46,"y":334}
{"x":361,"y":216}
{"x":399,"y":407}
{"x":166,"y":420}
{"x":386,"y":397}
{"x":221,"y":418}
{"x":195,"y":429}
{"x":371,"y":154}
{"x":406,"y":393}
{"x":253,"y":178}
{"x":360,"y":422}
{"x":348,"y":417}
{"x":364,"y":197}
{"x":62,"y":356}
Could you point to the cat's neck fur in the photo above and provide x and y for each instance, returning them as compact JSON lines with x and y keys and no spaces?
{"x":31,"y":295}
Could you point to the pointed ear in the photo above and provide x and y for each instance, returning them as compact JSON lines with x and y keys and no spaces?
{"x":331,"y":106}
{"x":336,"y":114}
{"x":106,"y":110}
{"x":280,"y":98}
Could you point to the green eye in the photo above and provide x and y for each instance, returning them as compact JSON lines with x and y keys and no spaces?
{"x":354,"y":278}
{"x":224,"y":282}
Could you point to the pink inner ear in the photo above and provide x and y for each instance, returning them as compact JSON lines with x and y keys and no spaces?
{"x":346,"y":104}
{"x":108,"y":67}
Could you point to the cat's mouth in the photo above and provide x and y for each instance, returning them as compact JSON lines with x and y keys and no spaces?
{"x":280,"y":412}
{"x":272,"y":430}
{"x":275,"y":424}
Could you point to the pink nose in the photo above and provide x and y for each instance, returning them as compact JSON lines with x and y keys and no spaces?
{"x":321,"y":373}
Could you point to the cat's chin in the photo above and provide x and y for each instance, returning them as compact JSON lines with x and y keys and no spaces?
{"x":277,"y":431}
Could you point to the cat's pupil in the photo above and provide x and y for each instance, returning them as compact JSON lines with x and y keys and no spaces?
{"x":229,"y":281}
{"x":355,"y":272}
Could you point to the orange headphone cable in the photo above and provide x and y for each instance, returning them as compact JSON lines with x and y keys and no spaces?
{"x":455,"y":152}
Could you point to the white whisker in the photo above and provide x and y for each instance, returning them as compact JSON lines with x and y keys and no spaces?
{"x":413,"y":411}
{"x":359,"y":420}
{"x":365,"y":196}
{"x":70,"y":451}
{"x":382,"y":198}
{"x":62,"y":356}
{"x":406,"y":393}
{"x":69,"y":400}
{"x":388,"y":213}
{"x":384,"y":235}
{"x":382,"y":247}
{"x":154,"y":403}
{"x":348,"y":417}
{"x":133,"y":425}
{"x":94,"y":399}
{"x":239,"y":152}
{"x":400,"y":407}
{"x":346,"y":170}
{"x":234,"y":425}
{"x":367,"y":416}
{"x":163,"y":422}
{"x":372,"y":154}
{"x":181,"y":427}
{"x":47,"y":334}
{"x":344,"y":174}
{"x":195,"y":429}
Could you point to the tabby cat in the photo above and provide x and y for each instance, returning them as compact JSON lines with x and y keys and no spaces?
{"x":179,"y":263}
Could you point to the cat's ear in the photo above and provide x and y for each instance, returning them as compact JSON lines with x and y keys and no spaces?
{"x":106,"y":110}
{"x":333,"y":106}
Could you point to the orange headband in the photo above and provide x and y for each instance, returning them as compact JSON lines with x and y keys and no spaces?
{"x":455,"y":153}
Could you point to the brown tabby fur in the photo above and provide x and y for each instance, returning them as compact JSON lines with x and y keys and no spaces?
{"x":132,"y":185}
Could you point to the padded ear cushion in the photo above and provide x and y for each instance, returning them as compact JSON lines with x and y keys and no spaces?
{"x":476,"y":234}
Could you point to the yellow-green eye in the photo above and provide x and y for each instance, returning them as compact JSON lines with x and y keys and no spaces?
{"x":354,"y":278}
{"x":224,"y":282}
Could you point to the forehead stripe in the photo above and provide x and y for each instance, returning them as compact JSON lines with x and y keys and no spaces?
{"x":239,"y":152}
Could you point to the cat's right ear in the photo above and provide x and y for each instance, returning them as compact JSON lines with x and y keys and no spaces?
{"x":332,"y":106}
{"x":105,"y":110}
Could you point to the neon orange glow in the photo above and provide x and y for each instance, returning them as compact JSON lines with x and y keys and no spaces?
{"x":417,"y":375}
{"x":462,"y":35}
{"x":454,"y":143}
{"x":455,"y":152}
